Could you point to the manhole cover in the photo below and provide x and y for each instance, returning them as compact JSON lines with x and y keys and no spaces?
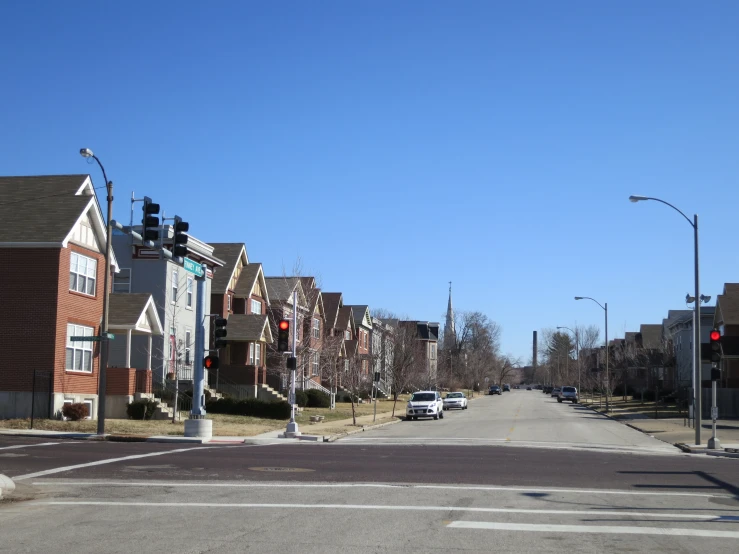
{"x":281,"y":469}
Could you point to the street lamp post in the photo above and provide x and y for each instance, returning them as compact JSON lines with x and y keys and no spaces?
{"x":697,"y":373}
{"x":577,"y":353}
{"x":104,"y":344}
{"x":608,"y":378}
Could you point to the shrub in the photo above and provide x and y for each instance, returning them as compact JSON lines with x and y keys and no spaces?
{"x":318,"y":399}
{"x":301,"y":398}
{"x":649,"y":396}
{"x":142,"y":409}
{"x":619,"y":390}
{"x":75,"y":411}
{"x":249,"y":407}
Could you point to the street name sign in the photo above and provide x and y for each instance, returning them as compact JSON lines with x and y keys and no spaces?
{"x":193,"y":267}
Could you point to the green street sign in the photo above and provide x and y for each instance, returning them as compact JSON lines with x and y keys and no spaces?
{"x":109,"y":336}
{"x":193,"y":267}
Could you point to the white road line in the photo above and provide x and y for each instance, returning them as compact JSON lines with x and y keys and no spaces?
{"x":27,"y":445}
{"x":102,"y":462}
{"x":597,"y":529}
{"x":703,"y":517}
{"x":185,"y":484}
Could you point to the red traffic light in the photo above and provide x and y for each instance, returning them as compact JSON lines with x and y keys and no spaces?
{"x":715,"y":335}
{"x":211,"y":362}
{"x":284,"y":325}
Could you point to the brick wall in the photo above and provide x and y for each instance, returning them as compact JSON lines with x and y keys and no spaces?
{"x":28,"y":300}
{"x":127,"y":381}
{"x":81,"y":309}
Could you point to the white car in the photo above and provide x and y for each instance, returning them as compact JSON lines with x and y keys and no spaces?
{"x":424,"y":404}
{"x":455,"y":400}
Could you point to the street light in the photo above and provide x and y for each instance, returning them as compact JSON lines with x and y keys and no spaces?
{"x":697,"y":373}
{"x":87,"y":153}
{"x":577,"y":353}
{"x":608,"y":379}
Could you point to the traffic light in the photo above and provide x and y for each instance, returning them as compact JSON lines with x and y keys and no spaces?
{"x":180,"y":237}
{"x":150,"y":221}
{"x":219,"y":334}
{"x":283,"y":335}
{"x":715,"y":346}
{"x":211,"y":362}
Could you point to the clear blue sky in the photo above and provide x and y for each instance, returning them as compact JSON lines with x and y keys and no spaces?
{"x":493,"y":144}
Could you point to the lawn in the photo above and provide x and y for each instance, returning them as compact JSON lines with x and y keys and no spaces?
{"x":633,"y":407}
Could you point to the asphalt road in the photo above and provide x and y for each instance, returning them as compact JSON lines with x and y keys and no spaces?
{"x":426,"y":494}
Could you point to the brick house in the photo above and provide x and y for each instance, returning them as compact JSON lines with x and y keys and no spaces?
{"x":427,"y":332}
{"x":335,"y":334}
{"x":362,"y":330}
{"x":52,"y":243}
{"x":239,"y":293}
{"x":313,"y":333}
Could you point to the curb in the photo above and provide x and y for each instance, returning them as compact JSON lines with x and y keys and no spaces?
{"x":62,"y":435}
{"x":6,"y":484}
{"x":334,"y":438}
{"x":718,"y":453}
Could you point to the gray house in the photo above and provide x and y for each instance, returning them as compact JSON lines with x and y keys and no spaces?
{"x":678,"y":327}
{"x":174,"y":293}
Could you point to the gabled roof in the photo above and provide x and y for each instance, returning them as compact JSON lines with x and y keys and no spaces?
{"x":727,"y":308}
{"x":249,"y":276}
{"x":361,"y":315}
{"x":332,"y":301}
{"x":651,"y":336}
{"x":280,"y":289}
{"x":229,"y":253}
{"x":344,"y":319}
{"x":131,"y":311}
{"x":249,"y":327}
{"x":43,"y":211}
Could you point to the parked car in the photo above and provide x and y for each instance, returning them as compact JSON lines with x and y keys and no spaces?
{"x":455,"y":400}
{"x":506,"y":388}
{"x":569,"y":393}
{"x":495,"y":389}
{"x":528,"y":388}
{"x":516,"y":386}
{"x":555,"y":391}
{"x":425,"y":404}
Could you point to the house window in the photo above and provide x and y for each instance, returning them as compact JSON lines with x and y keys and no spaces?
{"x":348,"y":335}
{"x":229,"y":301}
{"x":175,"y":284}
{"x":87,"y":403}
{"x":258,"y":354}
{"x":187,"y":347}
{"x":316,"y":328}
{"x":315,"y":363}
{"x":122,"y":280}
{"x":79,"y":354}
{"x":251,"y":353}
{"x":189,"y":291}
{"x":82,"y":274}
{"x":256,"y":307}
{"x":433,"y":351}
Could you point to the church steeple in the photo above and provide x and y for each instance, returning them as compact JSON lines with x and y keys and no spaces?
{"x":450,"y":334}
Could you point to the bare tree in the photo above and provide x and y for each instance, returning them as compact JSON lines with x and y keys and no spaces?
{"x":407,"y":366}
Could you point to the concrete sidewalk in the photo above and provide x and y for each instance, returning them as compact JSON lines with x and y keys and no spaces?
{"x":675,"y":431}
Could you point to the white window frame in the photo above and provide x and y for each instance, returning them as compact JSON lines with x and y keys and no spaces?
{"x":251,"y":353}
{"x":190,"y":281}
{"x":316,"y":328}
{"x":79,"y":348}
{"x":175,"y":285}
{"x":88,"y":275}
{"x":314,"y":363}
{"x":256,"y":304}
{"x":347,"y":335}
{"x":258,"y":354}
{"x":90,"y":406}
{"x":188,"y":337}
{"x":229,"y":302}
{"x":118,"y":280}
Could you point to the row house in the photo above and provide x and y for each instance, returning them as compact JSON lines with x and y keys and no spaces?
{"x":240,"y":294}
{"x":174,"y":292}
{"x":52,"y":242}
{"x":311,"y":369}
{"x":726,"y":320}
{"x":362,"y":331}
{"x":427,"y":332}
{"x":383,"y":340}
{"x":337,"y":331}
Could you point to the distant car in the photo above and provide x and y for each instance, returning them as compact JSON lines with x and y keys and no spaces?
{"x":495,"y":389}
{"x":568,"y":393}
{"x":528,"y":388}
{"x":555,"y":391}
{"x":506,"y":388}
{"x":516,"y":386}
{"x":455,"y":400}
{"x":425,"y":404}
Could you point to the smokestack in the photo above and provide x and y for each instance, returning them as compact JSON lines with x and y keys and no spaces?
{"x":535,"y":352}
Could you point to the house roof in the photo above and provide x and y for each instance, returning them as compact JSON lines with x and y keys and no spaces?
{"x":358,"y":312}
{"x":248,"y":327}
{"x":126,"y":311}
{"x":727,"y":308}
{"x":351,"y":347}
{"x":248,"y":277}
{"x":229,"y":253}
{"x":651,"y":336}
{"x":343,"y":318}
{"x":41,"y":209}
{"x":280,"y":289}
{"x":331,"y":304}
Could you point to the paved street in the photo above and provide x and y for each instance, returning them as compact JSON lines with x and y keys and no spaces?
{"x":520,"y":418}
{"x":414,"y":486}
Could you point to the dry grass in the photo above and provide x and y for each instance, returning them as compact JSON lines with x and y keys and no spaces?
{"x":633,"y":407}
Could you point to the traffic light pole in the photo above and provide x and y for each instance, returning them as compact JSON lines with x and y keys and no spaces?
{"x":197,"y":425}
{"x":292,"y":430}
